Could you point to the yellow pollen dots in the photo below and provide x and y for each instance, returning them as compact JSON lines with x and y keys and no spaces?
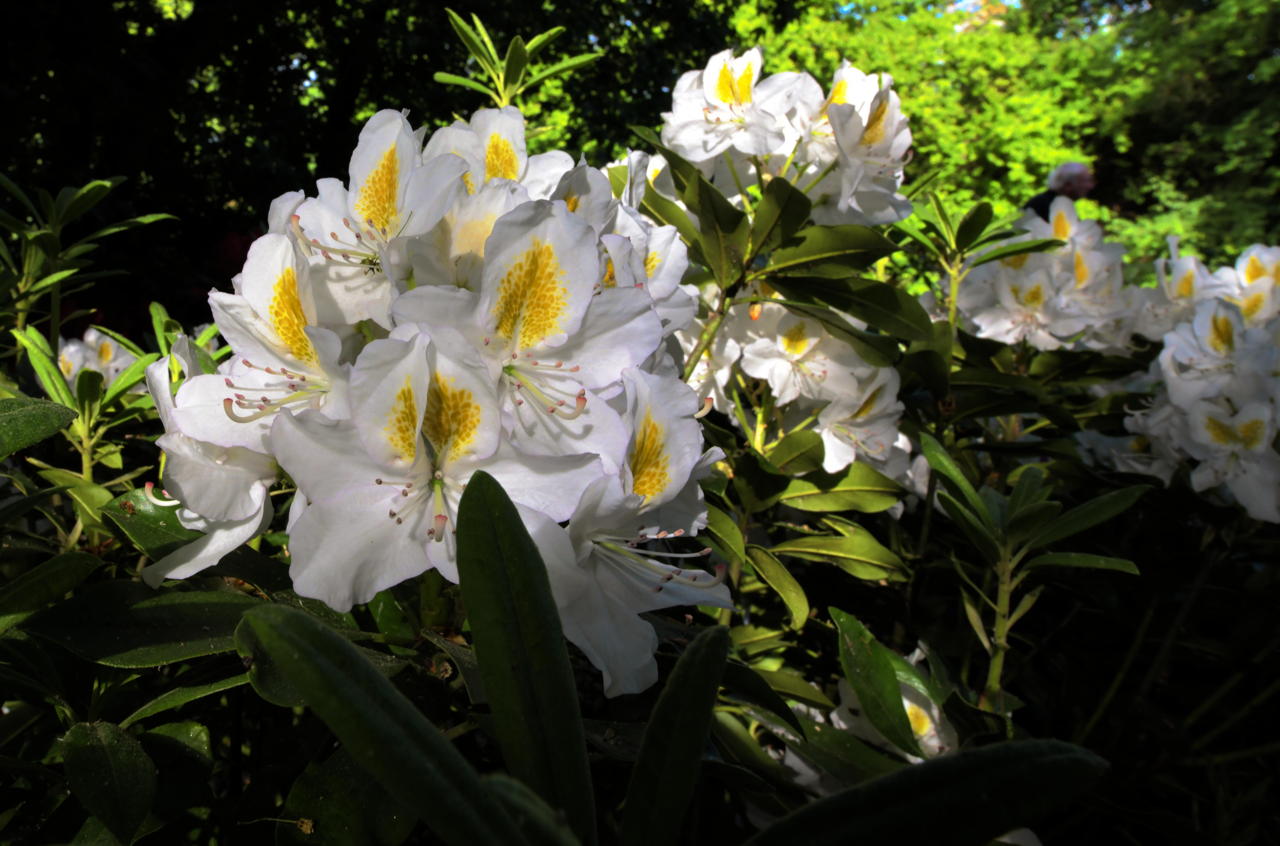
{"x":1082,"y":270}
{"x":1033,"y":297}
{"x":795,"y":341}
{"x":1186,"y":287}
{"x":288,"y":320}
{"x":377,"y":200}
{"x":651,"y":263}
{"x":1248,"y":434}
{"x":874,"y":133}
{"x":1253,"y":270}
{"x":649,"y":464}
{"x":610,"y":279}
{"x":451,"y":419}
{"x":920,"y":722}
{"x":500,"y":159}
{"x":571,"y":202}
{"x":531,"y":297}
{"x":869,"y":404}
{"x":1222,"y":334}
{"x":402,"y":423}
{"x":731,"y":91}
{"x":1061,"y":226}
{"x":468,"y":183}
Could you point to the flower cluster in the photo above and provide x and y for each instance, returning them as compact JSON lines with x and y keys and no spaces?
{"x":458,"y":305}
{"x":1073,"y":297}
{"x":847,"y":147}
{"x":1217,"y":389}
{"x":97,"y":351}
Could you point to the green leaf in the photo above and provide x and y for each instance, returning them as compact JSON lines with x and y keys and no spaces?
{"x":515,"y":627}
{"x":514,"y":66}
{"x":178,"y":696}
{"x":127,"y":624}
{"x":25,"y":421}
{"x":111,"y":775}
{"x":454,"y":79}
{"x":154,"y":529}
{"x":1080,"y":559}
{"x":470,"y":39}
{"x":794,"y":687}
{"x":830,"y":251}
{"x":861,"y":555}
{"x":942,"y":463}
{"x":799,"y":452}
{"x":859,"y":487}
{"x":124,"y":226}
{"x":42,"y":362}
{"x":880,"y":306}
{"x":965,"y":799}
{"x":564,"y":66}
{"x":344,"y":806}
{"x":773,"y":573}
{"x":1016,"y":249}
{"x":781,"y":212}
{"x":746,"y":683}
{"x":543,"y":39}
{"x":381,"y":729}
{"x":79,"y":200}
{"x":539,"y":822}
{"x":722,"y":230}
{"x":41,"y":585}
{"x":870,"y":672}
{"x":1093,"y":512}
{"x":127,"y":378}
{"x":723,"y":534}
{"x":839,"y":753}
{"x":51,"y":280}
{"x":972,"y":226}
{"x":666,"y":770}
{"x":978,"y":534}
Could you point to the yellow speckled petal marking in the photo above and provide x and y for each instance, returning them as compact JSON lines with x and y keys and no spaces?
{"x":531,"y":298}
{"x":795,"y":341}
{"x":1248,"y":434}
{"x":920,"y":722}
{"x":649,"y":463}
{"x":105,"y":351}
{"x":451,"y":420}
{"x":377,"y":200}
{"x":874,"y":133}
{"x":571,"y":202}
{"x":610,"y":279}
{"x":1253,"y":270}
{"x":868,"y":404}
{"x":1061,"y":226}
{"x":1186,"y":287}
{"x":1222,"y":334}
{"x":651,"y":263}
{"x":288,"y":320}
{"x":402,"y":423}
{"x":839,"y":93}
{"x":1082,"y":271}
{"x":1252,"y":304}
{"x":500,"y":159}
{"x":1016,"y":262}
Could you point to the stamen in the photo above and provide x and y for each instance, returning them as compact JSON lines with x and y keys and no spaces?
{"x":150,"y":496}
{"x":707,"y":403}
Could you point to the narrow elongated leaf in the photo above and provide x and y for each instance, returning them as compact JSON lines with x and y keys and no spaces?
{"x":978,"y":534}
{"x":943,"y":464}
{"x":344,"y":806}
{"x":667,"y":768}
{"x":564,"y":66}
{"x":1086,"y":516}
{"x":454,"y":79}
{"x":830,"y":251}
{"x":972,"y":225}
{"x":539,"y":822}
{"x":381,"y":729}
{"x":859,"y":487}
{"x":743,"y":682}
{"x":794,"y":687}
{"x":773,"y":573}
{"x":42,"y":362}
{"x":782,"y":210}
{"x":127,"y":378}
{"x":724,"y":535}
{"x":521,"y":651}
{"x":51,"y":280}
{"x":514,"y":66}
{"x":799,"y":452}
{"x":111,"y":775}
{"x":178,"y":696}
{"x":1080,"y":559}
{"x":861,"y":555}
{"x":127,"y":624}
{"x":869,"y":671}
{"x":965,"y":799}
{"x":1016,"y":249}
{"x":38,"y":587}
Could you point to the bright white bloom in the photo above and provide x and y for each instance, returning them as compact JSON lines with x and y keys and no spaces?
{"x":798,"y":358}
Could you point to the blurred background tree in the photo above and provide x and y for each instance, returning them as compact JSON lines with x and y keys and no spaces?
{"x":212,"y":109}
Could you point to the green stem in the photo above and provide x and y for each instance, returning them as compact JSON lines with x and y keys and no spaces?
{"x":708,"y":335}
{"x":993,"y":694}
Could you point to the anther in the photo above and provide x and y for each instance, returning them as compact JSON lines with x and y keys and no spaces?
{"x":707,"y":403}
